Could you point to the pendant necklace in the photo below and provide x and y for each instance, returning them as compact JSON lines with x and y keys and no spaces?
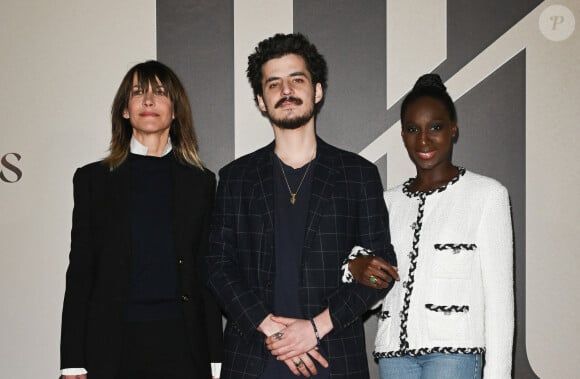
{"x":293,"y":194}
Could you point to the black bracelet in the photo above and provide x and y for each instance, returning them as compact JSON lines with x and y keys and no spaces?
{"x":315,"y":331}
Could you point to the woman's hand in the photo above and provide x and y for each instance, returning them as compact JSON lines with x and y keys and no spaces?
{"x":373,"y":271}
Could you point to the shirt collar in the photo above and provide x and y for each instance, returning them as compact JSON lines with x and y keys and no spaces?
{"x":138,"y":148}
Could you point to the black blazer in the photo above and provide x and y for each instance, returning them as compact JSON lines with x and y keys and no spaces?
{"x":97,"y":277}
{"x":346,"y":208}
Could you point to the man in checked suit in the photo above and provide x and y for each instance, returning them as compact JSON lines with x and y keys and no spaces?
{"x":286,"y":217}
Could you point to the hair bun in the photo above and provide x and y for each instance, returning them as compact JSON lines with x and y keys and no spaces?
{"x":430,"y":81}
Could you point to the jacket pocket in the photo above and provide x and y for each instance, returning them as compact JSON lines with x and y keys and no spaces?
{"x":447,"y":322}
{"x":453,"y":260}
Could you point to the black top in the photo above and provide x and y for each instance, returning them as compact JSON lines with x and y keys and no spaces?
{"x":289,"y":232}
{"x":152,"y":291}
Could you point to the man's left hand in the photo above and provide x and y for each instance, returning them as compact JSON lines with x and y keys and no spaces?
{"x":297,"y":338}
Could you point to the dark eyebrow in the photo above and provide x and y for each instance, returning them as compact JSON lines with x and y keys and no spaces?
{"x":274,"y":78}
{"x":271,"y":79}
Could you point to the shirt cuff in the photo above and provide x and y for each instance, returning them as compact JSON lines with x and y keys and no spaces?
{"x":356,"y":251}
{"x":216,"y":369}
{"x":73,"y":371}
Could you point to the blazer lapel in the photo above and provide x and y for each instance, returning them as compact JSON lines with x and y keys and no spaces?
{"x":323,"y":183}
{"x":262,"y":203}
{"x":263,"y":190}
{"x":188,"y":187}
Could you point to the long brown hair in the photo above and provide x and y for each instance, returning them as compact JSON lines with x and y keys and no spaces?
{"x":182,"y":133}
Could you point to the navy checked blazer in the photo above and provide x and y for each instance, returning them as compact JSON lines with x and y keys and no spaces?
{"x":346,"y":208}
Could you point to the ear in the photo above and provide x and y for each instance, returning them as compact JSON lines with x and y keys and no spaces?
{"x":318,"y":93}
{"x":261,"y":103}
{"x":126,"y":114}
{"x":454,"y":130}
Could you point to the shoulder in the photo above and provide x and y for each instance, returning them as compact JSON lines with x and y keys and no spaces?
{"x":200,"y":172}
{"x":482,"y":184}
{"x":94,"y":169}
{"x":393,"y":195}
{"x":350,"y":166}
{"x":344,"y":158}
{"x":98,"y":166}
{"x":239,"y":166}
{"x":394,"y":191}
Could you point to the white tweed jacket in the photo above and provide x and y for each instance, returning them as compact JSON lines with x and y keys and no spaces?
{"x":455,"y":255}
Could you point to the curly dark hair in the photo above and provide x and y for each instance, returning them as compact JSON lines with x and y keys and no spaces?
{"x":280,"y":45}
{"x":430,"y":85}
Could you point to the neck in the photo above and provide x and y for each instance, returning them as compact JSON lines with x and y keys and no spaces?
{"x":155,"y":142}
{"x":295,"y":147}
{"x":427,"y":180}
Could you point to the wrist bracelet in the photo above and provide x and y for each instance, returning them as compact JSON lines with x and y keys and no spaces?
{"x":315,"y":331}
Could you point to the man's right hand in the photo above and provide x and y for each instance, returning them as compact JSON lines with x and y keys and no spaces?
{"x":269,"y":327}
{"x":373,"y":271}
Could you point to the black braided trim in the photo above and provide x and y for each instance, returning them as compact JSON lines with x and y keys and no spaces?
{"x":429,"y":350}
{"x":408,"y":285}
{"x":384,"y":315}
{"x":456,"y":247}
{"x":447,"y":308}
{"x":453,"y":180}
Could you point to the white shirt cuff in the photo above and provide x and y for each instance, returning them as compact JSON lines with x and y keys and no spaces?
{"x":356,"y":251}
{"x":73,"y":371}
{"x":216,"y":369}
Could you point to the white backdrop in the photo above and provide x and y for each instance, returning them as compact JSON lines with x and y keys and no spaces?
{"x":60,"y":65}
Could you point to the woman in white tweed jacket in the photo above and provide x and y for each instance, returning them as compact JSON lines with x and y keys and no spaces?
{"x":452,"y":233}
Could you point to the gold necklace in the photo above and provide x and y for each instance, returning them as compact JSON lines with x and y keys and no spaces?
{"x":293,"y":194}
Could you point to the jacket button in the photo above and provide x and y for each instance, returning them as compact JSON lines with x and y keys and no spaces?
{"x":180,"y":261}
{"x":184,"y":297}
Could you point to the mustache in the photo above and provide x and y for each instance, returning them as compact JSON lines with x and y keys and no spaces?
{"x":291,"y":99}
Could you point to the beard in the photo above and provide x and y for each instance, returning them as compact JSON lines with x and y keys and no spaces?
{"x":294,"y":121}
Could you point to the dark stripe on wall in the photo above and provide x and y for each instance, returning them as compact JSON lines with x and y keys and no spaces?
{"x":196,"y":39}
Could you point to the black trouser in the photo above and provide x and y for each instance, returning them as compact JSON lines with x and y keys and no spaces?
{"x":156,"y":350}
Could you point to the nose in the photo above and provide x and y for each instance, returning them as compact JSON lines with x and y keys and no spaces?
{"x":286,"y":87}
{"x":148,"y":98}
{"x":423,"y":137}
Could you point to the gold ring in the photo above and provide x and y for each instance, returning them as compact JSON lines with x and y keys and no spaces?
{"x":372,"y":279}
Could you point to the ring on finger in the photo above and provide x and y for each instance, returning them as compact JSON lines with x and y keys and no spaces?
{"x":299,"y":363}
{"x":373,"y":279}
{"x":277,"y":336}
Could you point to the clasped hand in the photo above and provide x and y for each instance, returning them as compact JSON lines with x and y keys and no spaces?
{"x":295,"y":344}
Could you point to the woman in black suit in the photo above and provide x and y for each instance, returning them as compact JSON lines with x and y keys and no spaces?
{"x":135,"y":304}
